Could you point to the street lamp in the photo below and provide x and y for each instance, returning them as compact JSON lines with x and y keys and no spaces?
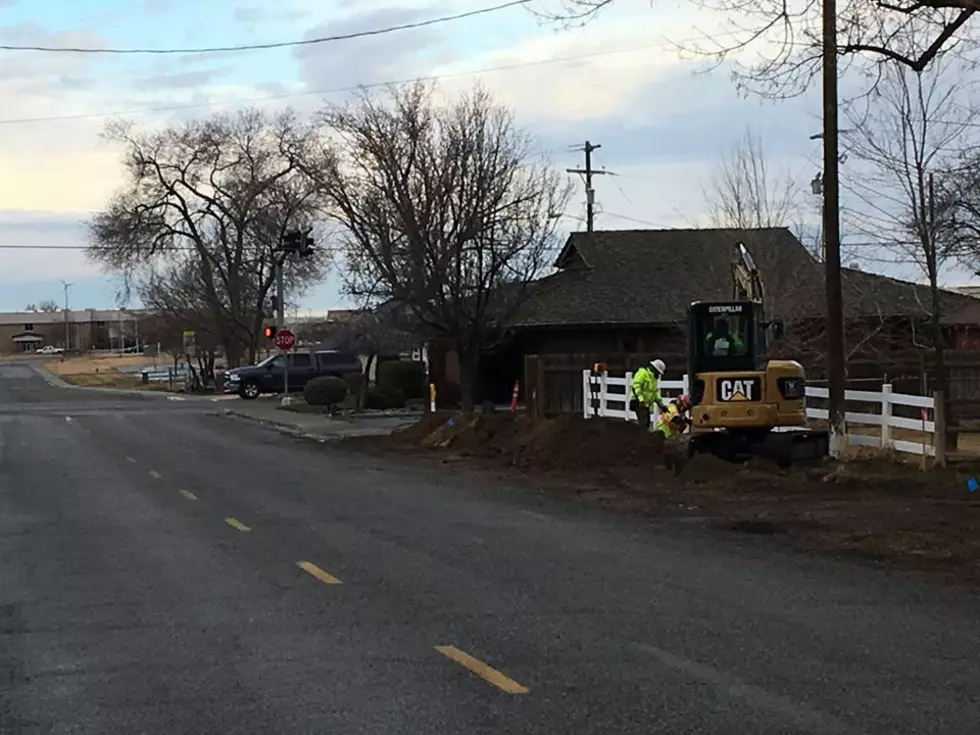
{"x":66,"y":286}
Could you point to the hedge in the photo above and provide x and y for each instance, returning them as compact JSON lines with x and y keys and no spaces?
{"x":327,"y":390}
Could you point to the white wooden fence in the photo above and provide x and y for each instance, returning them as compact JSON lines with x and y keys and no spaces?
{"x":614,"y":394}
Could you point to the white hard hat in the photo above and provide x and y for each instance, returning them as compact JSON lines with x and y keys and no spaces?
{"x":658,"y":366}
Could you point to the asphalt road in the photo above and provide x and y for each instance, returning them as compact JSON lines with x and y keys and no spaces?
{"x":151,"y":582}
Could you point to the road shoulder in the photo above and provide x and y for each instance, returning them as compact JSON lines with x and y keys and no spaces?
{"x":315,"y":427}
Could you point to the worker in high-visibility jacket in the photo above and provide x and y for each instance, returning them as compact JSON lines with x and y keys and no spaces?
{"x":646,"y":392}
{"x":722,"y":342}
{"x":675,"y":419}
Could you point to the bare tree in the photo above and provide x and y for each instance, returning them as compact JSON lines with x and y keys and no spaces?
{"x":914,"y":125}
{"x":746,"y":193}
{"x":48,"y":306}
{"x":445,"y":208}
{"x":787,"y":35}
{"x":178,"y":299}
{"x":207,"y":202}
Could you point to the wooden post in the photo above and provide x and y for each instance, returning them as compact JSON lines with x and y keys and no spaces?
{"x":586,"y":394}
{"x":541,"y":400}
{"x":603,"y":393}
{"x":530,"y":371}
{"x":886,"y":415}
{"x":939,"y":419}
{"x":629,"y":391}
{"x":950,"y":419}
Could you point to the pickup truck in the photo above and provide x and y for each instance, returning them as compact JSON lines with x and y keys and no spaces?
{"x":252,"y":381}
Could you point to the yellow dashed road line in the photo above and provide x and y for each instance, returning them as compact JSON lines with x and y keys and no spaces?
{"x":482,"y":670}
{"x":237,"y":524}
{"x":315,"y":571}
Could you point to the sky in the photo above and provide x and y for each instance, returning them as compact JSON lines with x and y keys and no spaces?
{"x":662,"y":120}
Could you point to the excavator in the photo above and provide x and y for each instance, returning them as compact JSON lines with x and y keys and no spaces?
{"x":742,"y":403}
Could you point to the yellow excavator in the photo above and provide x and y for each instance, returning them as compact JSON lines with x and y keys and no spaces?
{"x":743,"y":403}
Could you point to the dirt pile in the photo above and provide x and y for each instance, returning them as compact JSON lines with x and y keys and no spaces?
{"x":568,"y":443}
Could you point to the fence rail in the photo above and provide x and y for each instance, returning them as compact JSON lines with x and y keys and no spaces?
{"x":612,"y":395}
{"x":163,"y":375}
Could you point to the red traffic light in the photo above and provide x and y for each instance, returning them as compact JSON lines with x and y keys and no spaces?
{"x":269,"y":331}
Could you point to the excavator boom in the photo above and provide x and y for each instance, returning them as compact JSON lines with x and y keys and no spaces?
{"x":746,"y":281}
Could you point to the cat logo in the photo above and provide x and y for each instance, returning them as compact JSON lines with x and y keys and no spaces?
{"x":739,"y":389}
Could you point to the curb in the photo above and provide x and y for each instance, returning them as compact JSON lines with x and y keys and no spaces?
{"x":290,"y":430}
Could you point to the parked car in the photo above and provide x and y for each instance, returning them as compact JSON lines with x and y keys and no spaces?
{"x":267,"y":377}
{"x":49,"y":350}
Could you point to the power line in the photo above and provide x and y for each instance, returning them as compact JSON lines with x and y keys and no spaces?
{"x":633,"y":219}
{"x":265,"y":46}
{"x":335,"y":90}
{"x":168,"y":249}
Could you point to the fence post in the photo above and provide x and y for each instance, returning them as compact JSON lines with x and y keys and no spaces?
{"x":939,"y":420}
{"x":687,"y":386}
{"x":603,"y":393}
{"x":629,"y":394}
{"x":540,"y":392}
{"x":886,"y":415}
{"x":586,"y":394}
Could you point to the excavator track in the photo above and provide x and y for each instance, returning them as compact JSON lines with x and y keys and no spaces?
{"x":788,"y":448}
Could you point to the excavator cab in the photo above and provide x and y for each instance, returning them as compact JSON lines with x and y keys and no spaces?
{"x":738,"y":394}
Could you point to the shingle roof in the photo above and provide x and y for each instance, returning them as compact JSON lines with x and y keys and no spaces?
{"x":651,"y":277}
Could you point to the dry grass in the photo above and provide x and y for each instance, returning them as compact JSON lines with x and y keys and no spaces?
{"x":969,"y":443}
{"x":111,"y":379}
{"x":87,"y":365}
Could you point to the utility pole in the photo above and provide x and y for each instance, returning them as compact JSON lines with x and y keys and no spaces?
{"x":281,"y":324}
{"x":836,"y":371}
{"x":588,"y":172}
{"x":67,"y":323}
{"x":932,"y":266}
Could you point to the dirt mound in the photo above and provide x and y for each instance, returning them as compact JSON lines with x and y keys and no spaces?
{"x":567,"y":443}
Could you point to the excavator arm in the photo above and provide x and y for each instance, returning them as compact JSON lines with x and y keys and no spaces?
{"x":746,"y":281}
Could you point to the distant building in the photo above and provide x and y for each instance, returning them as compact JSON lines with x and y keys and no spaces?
{"x":87,"y":329}
{"x":968,"y":290}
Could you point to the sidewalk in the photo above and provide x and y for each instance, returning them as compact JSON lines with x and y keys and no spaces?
{"x":317,"y":426}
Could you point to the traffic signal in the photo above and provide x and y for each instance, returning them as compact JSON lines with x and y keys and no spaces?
{"x":269,"y":331}
{"x":306,"y":248}
{"x":291,"y":241}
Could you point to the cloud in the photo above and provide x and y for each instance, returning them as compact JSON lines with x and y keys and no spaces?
{"x":40,"y":229}
{"x":180,"y":80}
{"x":249,"y":15}
{"x":369,"y":59}
{"x":157,"y":7}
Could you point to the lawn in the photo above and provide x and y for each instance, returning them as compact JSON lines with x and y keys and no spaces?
{"x":93,"y":364}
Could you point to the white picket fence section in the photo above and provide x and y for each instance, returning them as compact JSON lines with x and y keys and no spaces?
{"x":621,"y":396}
{"x":884,"y":419}
{"x":614,"y":404}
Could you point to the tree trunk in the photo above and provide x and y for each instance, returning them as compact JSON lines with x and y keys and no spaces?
{"x":233,"y":352}
{"x":469,"y":373}
{"x":938,"y":341}
{"x":365,"y":383}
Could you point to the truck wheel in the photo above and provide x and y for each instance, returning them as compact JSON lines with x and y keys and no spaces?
{"x":249,"y":391}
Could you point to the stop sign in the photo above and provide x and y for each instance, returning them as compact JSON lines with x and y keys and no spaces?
{"x":285,"y":340}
